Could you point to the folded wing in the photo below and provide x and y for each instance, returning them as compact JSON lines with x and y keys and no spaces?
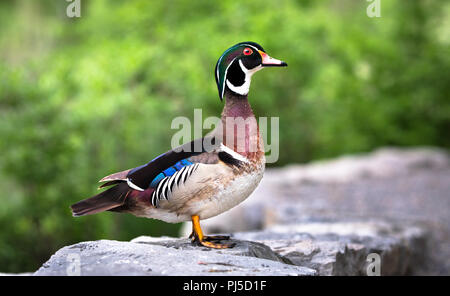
{"x":156,"y":174}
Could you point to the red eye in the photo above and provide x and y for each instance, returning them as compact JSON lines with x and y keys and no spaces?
{"x":247,"y":51}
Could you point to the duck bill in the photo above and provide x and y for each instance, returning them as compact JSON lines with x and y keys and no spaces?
{"x":268,"y":61}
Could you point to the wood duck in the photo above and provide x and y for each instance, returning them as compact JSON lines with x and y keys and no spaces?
{"x":207,"y":176}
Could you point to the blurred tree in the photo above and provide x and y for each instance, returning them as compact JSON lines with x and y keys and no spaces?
{"x":84,"y":97}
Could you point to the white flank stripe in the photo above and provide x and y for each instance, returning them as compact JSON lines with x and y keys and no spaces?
{"x":135,"y":187}
{"x":178,"y":175}
{"x":185,"y":175}
{"x":158,"y":189}
{"x":163,"y":190}
{"x":154,"y":199}
{"x":234,"y":154}
{"x":171,"y":180}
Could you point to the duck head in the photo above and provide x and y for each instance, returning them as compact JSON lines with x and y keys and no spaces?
{"x":238,"y":63}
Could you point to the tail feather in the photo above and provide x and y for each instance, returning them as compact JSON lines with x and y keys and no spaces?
{"x":106,"y":200}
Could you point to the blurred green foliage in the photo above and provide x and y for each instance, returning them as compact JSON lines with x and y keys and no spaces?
{"x":82,"y":98}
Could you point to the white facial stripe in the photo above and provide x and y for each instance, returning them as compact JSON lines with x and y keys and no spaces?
{"x":218,"y":63}
{"x":244,"y":88}
{"x":231,"y":152}
{"x":249,"y":72}
{"x":225,"y":75}
{"x":251,"y":46}
{"x":218,"y":66}
{"x":243,"y":68}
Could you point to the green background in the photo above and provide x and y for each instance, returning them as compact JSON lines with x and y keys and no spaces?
{"x":81,"y":98}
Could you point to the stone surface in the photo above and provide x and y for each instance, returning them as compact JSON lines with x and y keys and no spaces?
{"x":296,"y":249}
{"x":400,"y":186}
{"x":242,"y":248}
{"x":401,"y":181}
{"x":167,"y":256}
{"x":342,"y":248}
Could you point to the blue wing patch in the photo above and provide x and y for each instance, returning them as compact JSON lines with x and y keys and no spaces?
{"x":170,"y":171}
{"x":163,"y":189}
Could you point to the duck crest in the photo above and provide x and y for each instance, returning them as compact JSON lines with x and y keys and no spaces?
{"x":240,"y":128}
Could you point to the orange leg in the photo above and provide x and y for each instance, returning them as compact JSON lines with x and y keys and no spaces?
{"x":197,"y":236}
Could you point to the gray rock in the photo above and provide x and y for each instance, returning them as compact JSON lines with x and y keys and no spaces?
{"x":342,"y":248}
{"x":391,"y":182}
{"x":242,"y":248}
{"x":399,"y":186}
{"x":166,"y":257}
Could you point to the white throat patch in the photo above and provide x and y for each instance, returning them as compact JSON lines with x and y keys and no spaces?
{"x":244,"y":88}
